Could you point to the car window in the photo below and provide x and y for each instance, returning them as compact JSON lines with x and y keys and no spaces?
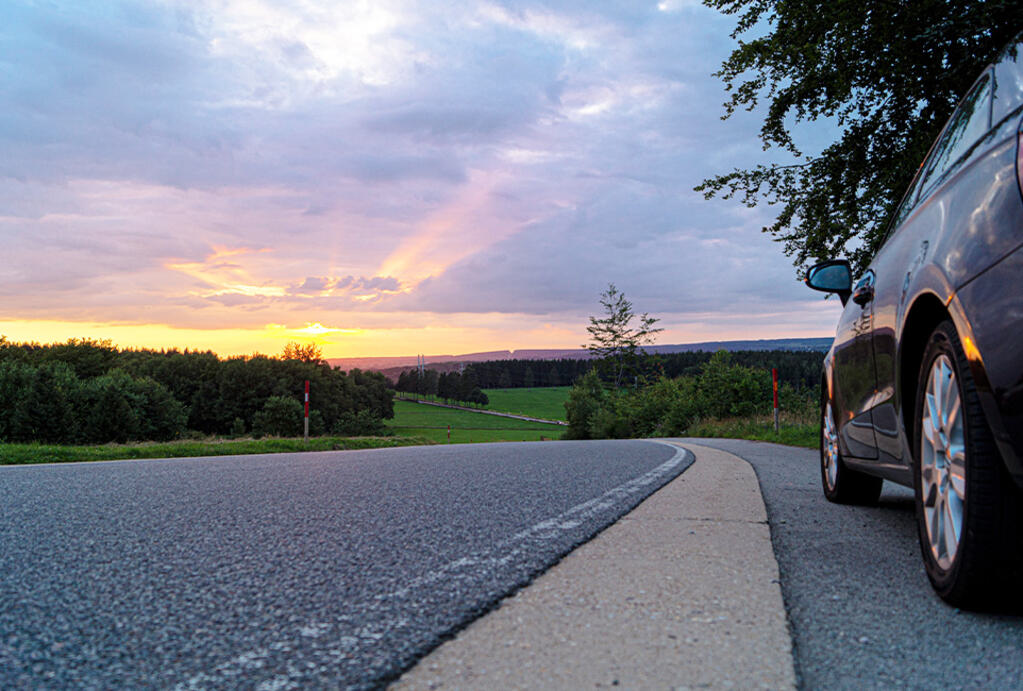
{"x":908,"y":202}
{"x":1008,"y":92}
{"x":970,"y":121}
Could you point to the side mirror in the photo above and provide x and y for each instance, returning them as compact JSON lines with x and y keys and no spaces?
{"x":832,"y":276}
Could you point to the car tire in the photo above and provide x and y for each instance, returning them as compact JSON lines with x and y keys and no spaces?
{"x":967,"y":507}
{"x":841,"y":484}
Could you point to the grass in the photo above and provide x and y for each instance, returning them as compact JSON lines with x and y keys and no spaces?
{"x":11,"y":454}
{"x":792,"y":431}
{"x":547,"y":403}
{"x":431,"y":422}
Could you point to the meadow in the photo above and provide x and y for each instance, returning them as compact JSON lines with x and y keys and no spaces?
{"x":431,"y":422}
{"x":547,"y":403}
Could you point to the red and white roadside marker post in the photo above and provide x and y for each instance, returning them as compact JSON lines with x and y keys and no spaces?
{"x":306,"y":420}
{"x":774,"y":377}
{"x":449,"y":434}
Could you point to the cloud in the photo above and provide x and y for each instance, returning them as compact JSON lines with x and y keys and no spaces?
{"x":244,"y":163}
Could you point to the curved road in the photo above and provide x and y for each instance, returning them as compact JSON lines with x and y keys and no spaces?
{"x":287,"y":571}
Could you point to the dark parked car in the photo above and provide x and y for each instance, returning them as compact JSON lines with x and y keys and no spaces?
{"x":923,"y":385}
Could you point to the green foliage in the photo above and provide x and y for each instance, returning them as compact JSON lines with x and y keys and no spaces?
{"x":50,"y":403}
{"x":317,"y":426}
{"x":237,"y":428}
{"x":88,"y":391}
{"x":886,"y":74}
{"x":728,"y":390}
{"x":761,"y":428}
{"x":37,"y":403}
{"x":721,"y":389}
{"x":361,"y":424}
{"x":280,"y":417}
{"x":584,"y":400}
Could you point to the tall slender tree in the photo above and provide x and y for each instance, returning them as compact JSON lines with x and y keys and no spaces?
{"x":614,"y":339}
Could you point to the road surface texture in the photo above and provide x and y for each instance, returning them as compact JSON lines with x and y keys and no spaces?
{"x":862,"y":612}
{"x":287,"y":571}
{"x":680,"y":593}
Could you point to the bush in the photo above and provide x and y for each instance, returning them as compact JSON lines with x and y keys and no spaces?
{"x":280,"y":417}
{"x":238,"y":427}
{"x":584,"y":400}
{"x":361,"y":424}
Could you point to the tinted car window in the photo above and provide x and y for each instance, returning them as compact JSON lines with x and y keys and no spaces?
{"x":968,"y":124}
{"x":1008,"y":83}
{"x":908,"y":203}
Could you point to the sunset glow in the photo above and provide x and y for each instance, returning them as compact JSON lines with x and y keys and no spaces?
{"x":384,"y":178}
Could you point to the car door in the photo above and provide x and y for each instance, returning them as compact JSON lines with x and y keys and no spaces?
{"x":854,"y":375}
{"x":923,"y":229}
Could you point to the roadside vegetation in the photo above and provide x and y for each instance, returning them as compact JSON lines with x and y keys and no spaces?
{"x":11,"y":454}
{"x":431,"y":422}
{"x":625,"y":396}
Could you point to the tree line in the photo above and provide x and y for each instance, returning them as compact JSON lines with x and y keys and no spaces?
{"x":89,"y":391}
{"x":460,"y":387}
{"x":799,"y":369}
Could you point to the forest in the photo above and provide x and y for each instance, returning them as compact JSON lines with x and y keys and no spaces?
{"x":798,"y":369}
{"x":88,"y":391}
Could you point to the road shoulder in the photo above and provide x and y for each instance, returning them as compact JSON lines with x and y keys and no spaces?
{"x":681,"y":592}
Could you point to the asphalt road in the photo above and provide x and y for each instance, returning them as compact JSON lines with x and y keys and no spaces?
{"x":286,"y":571}
{"x":862,"y":612}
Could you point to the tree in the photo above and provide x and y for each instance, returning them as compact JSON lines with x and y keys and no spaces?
{"x":306,"y":352}
{"x":614,"y":340}
{"x":886,"y":74}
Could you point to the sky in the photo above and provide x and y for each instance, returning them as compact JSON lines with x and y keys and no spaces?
{"x":380,"y":178}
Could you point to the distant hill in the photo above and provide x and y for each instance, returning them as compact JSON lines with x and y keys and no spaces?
{"x":390,"y":365}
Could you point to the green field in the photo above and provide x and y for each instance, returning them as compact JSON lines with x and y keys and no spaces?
{"x":11,"y":454}
{"x":432,"y":422}
{"x":547,"y":403}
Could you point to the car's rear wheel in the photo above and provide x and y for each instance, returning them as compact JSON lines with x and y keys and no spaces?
{"x":841,"y":484}
{"x":967,"y":506}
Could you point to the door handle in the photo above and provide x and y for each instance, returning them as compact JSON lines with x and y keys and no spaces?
{"x":863,"y":294}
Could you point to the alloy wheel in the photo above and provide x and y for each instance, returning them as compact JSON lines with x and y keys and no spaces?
{"x":943,"y":462}
{"x":829,"y":447}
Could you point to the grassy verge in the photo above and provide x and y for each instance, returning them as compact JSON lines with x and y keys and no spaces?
{"x":11,"y":454}
{"x":431,"y":422}
{"x":542,"y":402}
{"x":791,"y":432}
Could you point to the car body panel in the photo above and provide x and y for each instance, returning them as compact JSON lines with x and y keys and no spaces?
{"x":994,"y":302}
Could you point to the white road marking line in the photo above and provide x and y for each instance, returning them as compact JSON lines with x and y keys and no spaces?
{"x":367,"y":636}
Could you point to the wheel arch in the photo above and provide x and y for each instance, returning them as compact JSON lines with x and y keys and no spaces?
{"x":923,"y":316}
